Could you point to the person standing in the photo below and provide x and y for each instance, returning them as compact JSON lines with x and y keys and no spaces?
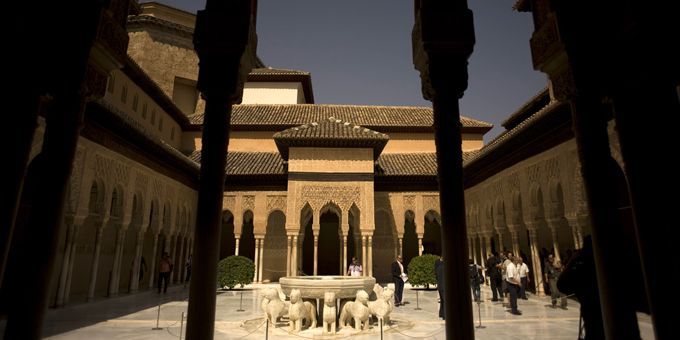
{"x":523,"y":278}
{"x":164,"y":268}
{"x":439,"y":272}
{"x":513,"y":283}
{"x":355,"y":268}
{"x":398,"y":277}
{"x":475,"y":280}
{"x":494,"y":274}
{"x":187,"y":266}
{"x":553,"y":270}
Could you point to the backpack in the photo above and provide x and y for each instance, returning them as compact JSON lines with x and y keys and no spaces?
{"x":474,"y":274}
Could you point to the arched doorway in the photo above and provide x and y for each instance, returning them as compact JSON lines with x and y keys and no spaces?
{"x":274,"y":261}
{"x":410,"y":241}
{"x":329,"y":244}
{"x":227,"y":241}
{"x":432,"y":239}
{"x":247,"y":243}
{"x":383,"y":246}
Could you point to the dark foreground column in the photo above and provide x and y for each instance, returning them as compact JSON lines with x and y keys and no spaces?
{"x":222,"y":32}
{"x":29,"y":284}
{"x":443,"y":39}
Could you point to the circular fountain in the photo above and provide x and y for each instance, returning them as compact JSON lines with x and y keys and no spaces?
{"x":314,"y":287}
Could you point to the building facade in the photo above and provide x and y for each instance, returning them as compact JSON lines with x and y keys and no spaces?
{"x":309,"y":186}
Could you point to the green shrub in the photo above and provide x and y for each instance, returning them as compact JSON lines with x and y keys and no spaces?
{"x":235,"y":270}
{"x":421,"y":270}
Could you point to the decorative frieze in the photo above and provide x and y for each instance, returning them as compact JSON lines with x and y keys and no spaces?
{"x":276,"y":202}
{"x":431,"y":202}
{"x":248,"y":203}
{"x":318,"y":196}
{"x":410,"y":202}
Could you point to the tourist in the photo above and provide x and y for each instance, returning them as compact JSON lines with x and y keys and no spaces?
{"x":439,"y":272}
{"x":494,"y":274}
{"x":355,"y":268}
{"x":164,"y":268}
{"x":513,"y":283}
{"x":398,"y":277}
{"x":523,"y":277}
{"x":553,"y":270}
{"x":475,"y":280}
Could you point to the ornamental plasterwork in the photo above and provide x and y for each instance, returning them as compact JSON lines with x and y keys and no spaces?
{"x":141,"y":182}
{"x":513,"y":181}
{"x":410,"y":202}
{"x":497,"y":188}
{"x":157,"y":189}
{"x":111,"y":170}
{"x":431,"y":203}
{"x":533,"y":173}
{"x":276,"y":202}
{"x":248,"y":203}
{"x":229,"y":203}
{"x":318,"y":196}
{"x":75,"y":180}
{"x":170,"y":193}
{"x":552,"y":168}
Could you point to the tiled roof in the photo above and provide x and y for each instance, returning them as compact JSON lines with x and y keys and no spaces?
{"x":250,"y":163}
{"x":407,"y":164}
{"x":330,"y":132}
{"x":373,"y":117}
{"x":271,"y":163}
{"x":277,"y":71}
{"x":519,"y":128}
{"x":525,"y":111}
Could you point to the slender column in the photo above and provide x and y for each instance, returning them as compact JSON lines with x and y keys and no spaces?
{"x":556,"y":246}
{"x":575,"y":232}
{"x":420,"y":244}
{"x":370,"y":256}
{"x":69,"y":277}
{"x":95,"y":262}
{"x":344,"y":253}
{"x":295,"y":263}
{"x":316,"y":251}
{"x":289,"y":255}
{"x":152,"y":263}
{"x":501,"y":247}
{"x":69,"y":253}
{"x":482,"y":246}
{"x":401,"y":246}
{"x":363,"y":253}
{"x":515,"y":240}
{"x":237,"y":239}
{"x":139,"y":244}
{"x":473,"y":251}
{"x":536,"y":260}
{"x":257,"y":259}
{"x":261,"y":266}
{"x":180,"y":266}
{"x":173,"y":251}
{"x":113,"y":284}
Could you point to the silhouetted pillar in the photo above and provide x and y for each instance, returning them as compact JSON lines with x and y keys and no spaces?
{"x":151,"y":264}
{"x":120,"y":241}
{"x":222,"y":32}
{"x":535,"y":258}
{"x":94,"y":269}
{"x":74,"y":226}
{"x":139,"y":244}
{"x":443,"y":39}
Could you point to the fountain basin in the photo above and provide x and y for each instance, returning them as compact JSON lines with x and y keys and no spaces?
{"x":314,"y":287}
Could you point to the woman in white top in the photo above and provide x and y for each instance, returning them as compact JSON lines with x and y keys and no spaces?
{"x":524,"y":278}
{"x":355,"y":268}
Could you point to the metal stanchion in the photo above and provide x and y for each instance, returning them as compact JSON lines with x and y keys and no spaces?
{"x":158,"y":318}
{"x":479,"y":313}
{"x":417,"y":303}
{"x":240,"y":308}
{"x":181,"y":326}
{"x":266,"y":330}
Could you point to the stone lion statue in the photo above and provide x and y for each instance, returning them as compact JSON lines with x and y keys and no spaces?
{"x":383,"y":306}
{"x":357,"y":310}
{"x":272,"y":305}
{"x":299,"y":311}
{"x":329,"y":313}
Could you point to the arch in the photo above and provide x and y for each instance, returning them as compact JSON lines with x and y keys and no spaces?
{"x":333,"y":207}
{"x":247,"y":244}
{"x":410,"y":240}
{"x":227,"y":240}
{"x":432,"y":239}
{"x":329,"y":243}
{"x":383,"y":245}
{"x":275,"y":247}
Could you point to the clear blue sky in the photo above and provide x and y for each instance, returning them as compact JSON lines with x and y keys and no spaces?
{"x":359,"y":52}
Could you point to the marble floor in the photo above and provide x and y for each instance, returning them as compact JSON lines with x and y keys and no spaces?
{"x":135,"y":316}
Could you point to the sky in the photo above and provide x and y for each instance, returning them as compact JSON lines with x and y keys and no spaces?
{"x":359,"y":52}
